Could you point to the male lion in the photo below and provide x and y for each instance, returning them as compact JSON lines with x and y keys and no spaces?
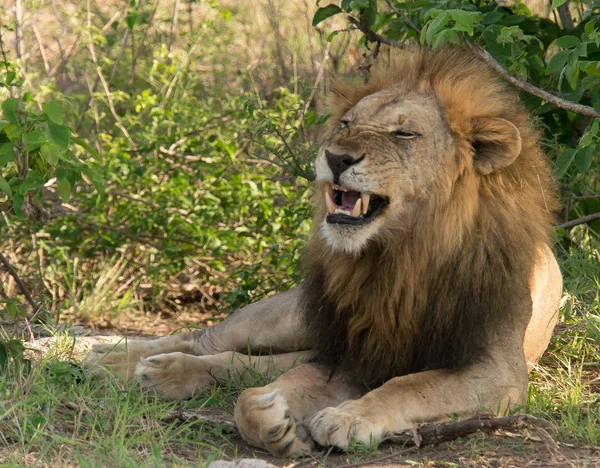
{"x":430,"y":284}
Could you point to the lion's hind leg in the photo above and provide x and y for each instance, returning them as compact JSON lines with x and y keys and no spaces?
{"x":276,"y":417}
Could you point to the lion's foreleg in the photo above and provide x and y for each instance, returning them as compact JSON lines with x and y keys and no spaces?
{"x":177,"y":376}
{"x":273,"y":325}
{"x":432,"y":396}
{"x":275,"y":417}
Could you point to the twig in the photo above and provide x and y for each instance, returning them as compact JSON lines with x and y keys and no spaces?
{"x":20,"y":283}
{"x":19,"y":46}
{"x":578,"y":221}
{"x":491,"y":62}
{"x":173,"y":24}
{"x":65,"y":58}
{"x":42,"y":49}
{"x":431,"y":434}
{"x":315,"y":86}
{"x":373,"y":36}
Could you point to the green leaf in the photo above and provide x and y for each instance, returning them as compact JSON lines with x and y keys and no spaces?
{"x":59,"y":134}
{"x":557,"y":62}
{"x":4,"y":187}
{"x":448,"y":36}
{"x":584,"y":158}
{"x":3,"y":357}
{"x":567,"y":42}
{"x":347,"y":5}
{"x":90,"y":149}
{"x":18,"y":200}
{"x":33,"y":140}
{"x":464,"y":21}
{"x":557,"y":3}
{"x":7,"y":154}
{"x":436,"y":26}
{"x":370,"y":12}
{"x":9,"y":110}
{"x":325,"y":12}
{"x":50,"y":153}
{"x":54,"y":110}
{"x":590,"y":27}
{"x":64,"y":189}
{"x":563,"y":162}
{"x":132,"y":19}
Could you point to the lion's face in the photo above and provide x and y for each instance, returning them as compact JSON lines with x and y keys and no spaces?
{"x":383,"y":158}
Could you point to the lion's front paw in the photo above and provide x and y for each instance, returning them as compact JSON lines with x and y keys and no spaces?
{"x":343,"y":425}
{"x":119,"y":359}
{"x":177,"y":376}
{"x":264,"y":420}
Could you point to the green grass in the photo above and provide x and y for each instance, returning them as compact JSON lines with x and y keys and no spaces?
{"x":51,"y":413}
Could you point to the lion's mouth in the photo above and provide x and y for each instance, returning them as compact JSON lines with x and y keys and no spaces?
{"x":345,"y":206}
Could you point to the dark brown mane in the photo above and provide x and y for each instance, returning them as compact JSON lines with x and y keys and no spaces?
{"x":429,"y":292}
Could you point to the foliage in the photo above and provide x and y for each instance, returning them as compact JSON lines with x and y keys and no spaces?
{"x":562,"y":59}
{"x":36,"y":146}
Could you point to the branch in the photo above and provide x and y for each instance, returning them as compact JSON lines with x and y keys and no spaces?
{"x":404,"y":17}
{"x":431,"y":434}
{"x":531,"y":89}
{"x":491,"y":62}
{"x":19,"y":282}
{"x":578,"y":221}
{"x":372,"y":36}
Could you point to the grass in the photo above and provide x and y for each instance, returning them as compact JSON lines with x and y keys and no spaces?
{"x":51,"y":413}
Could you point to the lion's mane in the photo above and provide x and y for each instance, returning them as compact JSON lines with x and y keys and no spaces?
{"x":431,"y":289}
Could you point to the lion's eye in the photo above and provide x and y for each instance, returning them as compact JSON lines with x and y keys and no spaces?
{"x":404,"y":135}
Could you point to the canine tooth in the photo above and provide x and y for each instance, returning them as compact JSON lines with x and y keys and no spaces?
{"x":329,"y":189}
{"x":365,"y":197}
{"x":356,"y":210}
{"x":329,"y":202}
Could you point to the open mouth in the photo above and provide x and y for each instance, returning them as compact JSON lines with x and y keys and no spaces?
{"x":346,"y":206}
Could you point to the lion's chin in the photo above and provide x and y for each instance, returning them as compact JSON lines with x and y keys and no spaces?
{"x":348,"y":239}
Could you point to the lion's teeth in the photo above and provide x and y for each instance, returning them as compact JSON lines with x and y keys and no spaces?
{"x":329,"y":202}
{"x":356,"y":209}
{"x":365,"y":197}
{"x":341,"y":211}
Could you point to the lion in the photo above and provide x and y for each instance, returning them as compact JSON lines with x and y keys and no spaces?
{"x":430,"y":286}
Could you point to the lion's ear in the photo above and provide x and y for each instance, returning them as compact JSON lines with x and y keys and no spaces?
{"x":496,"y":143}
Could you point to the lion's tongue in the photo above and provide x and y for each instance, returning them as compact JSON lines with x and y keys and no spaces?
{"x":349,"y":199}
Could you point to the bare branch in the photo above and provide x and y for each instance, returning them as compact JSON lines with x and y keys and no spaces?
{"x":578,"y":221}
{"x":565,"y":16}
{"x":431,"y":434}
{"x":529,"y":88}
{"x":42,"y":49}
{"x":19,"y":282}
{"x":315,"y":87}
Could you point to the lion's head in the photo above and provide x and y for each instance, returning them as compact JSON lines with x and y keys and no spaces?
{"x":432,"y":195}
{"x":425,"y":123}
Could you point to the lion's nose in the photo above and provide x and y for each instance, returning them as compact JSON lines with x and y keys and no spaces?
{"x":338,"y":163}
